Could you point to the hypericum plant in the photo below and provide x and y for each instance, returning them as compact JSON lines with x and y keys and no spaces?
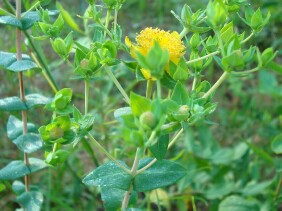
{"x":23,"y":134}
{"x":177,"y":96}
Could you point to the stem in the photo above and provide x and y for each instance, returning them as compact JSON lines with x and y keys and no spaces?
{"x":203,"y":57}
{"x":149,"y":88}
{"x":133,"y":173}
{"x":151,"y":138}
{"x":113,"y":78}
{"x":246,"y":71}
{"x":195,"y":81}
{"x":86,"y":95}
{"x":278,"y":188}
{"x":101,"y":148}
{"x":183,"y":33}
{"x":159,"y":89}
{"x":155,"y":160}
{"x":107,"y":21}
{"x":46,"y":72}
{"x":115,"y":20}
{"x":216,"y":85}
{"x":247,"y":38}
{"x":21,"y":85}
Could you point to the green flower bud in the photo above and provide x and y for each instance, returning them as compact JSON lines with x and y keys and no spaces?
{"x":84,"y":63}
{"x":216,"y":13}
{"x":60,"y":47}
{"x":147,"y":119}
{"x":56,"y":133}
{"x":195,"y":40}
{"x":184,"y":109}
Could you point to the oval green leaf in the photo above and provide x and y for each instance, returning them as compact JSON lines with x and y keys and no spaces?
{"x":15,"y":127}
{"x":16,"y":169}
{"x":237,"y":203}
{"x":109,"y":175}
{"x":31,"y":200}
{"x":162,"y":173}
{"x":29,"y":143}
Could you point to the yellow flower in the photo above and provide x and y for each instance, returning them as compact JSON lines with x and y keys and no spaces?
{"x":167,"y":40}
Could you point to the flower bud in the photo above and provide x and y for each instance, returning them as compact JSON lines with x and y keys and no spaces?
{"x":147,"y":119}
{"x":195,"y":40}
{"x":56,"y":133}
{"x":184,"y":109}
{"x":84,"y":63}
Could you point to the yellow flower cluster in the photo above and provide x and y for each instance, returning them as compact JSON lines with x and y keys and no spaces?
{"x":167,"y":40}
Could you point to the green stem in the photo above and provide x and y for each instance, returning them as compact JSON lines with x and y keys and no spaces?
{"x":108,"y":16}
{"x":245,"y":72}
{"x":203,"y":57}
{"x":195,"y":81}
{"x":113,"y":78}
{"x":40,"y":57}
{"x":149,"y":88}
{"x":216,"y":85}
{"x":133,"y":173}
{"x":31,"y":8}
{"x":22,"y":92}
{"x":151,"y":138}
{"x":183,"y":33}
{"x":115,"y":20}
{"x":45,"y":73}
{"x":247,"y":38}
{"x":278,"y":188}
{"x":102,"y":149}
{"x":86,"y":82}
{"x":155,"y":160}
{"x":159,"y":89}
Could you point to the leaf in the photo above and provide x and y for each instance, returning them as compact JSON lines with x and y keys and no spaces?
{"x":276,"y":144}
{"x":21,"y":65}
{"x":36,"y":99}
{"x":29,"y":143}
{"x":160,"y":148}
{"x":28,"y":19}
{"x":15,"y":127}
{"x":9,"y":62}
{"x":18,"y":187}
{"x":12,"y":104}
{"x":139,"y":104}
{"x":122,"y":111}
{"x":254,"y":188}
{"x":68,"y":19}
{"x":219,"y":190}
{"x":2,"y":187}
{"x":109,"y":175}
{"x":31,"y":201}
{"x":162,"y":173}
{"x":112,"y":198}
{"x":10,"y":20}
{"x":17,"y":168}
{"x":180,"y":94}
{"x":261,"y":153}
{"x":237,"y":203}
{"x":16,"y":104}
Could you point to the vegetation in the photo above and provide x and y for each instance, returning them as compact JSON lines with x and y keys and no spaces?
{"x":163,"y":105}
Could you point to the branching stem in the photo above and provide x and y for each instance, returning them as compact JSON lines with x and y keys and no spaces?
{"x":122,"y":91}
{"x":102,"y":149}
{"x":216,"y":85}
{"x":203,"y":57}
